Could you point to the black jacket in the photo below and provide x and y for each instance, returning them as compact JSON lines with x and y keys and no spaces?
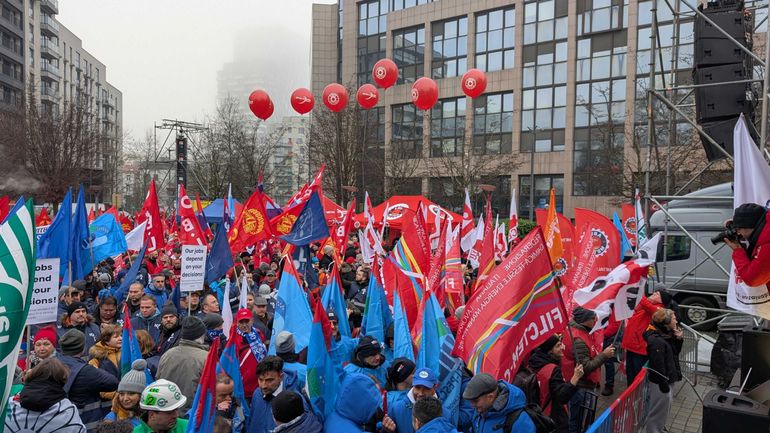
{"x":663,"y":352}
{"x":560,"y":390}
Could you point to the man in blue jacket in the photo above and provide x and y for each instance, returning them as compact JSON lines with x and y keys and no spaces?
{"x":148,"y":317}
{"x":272,"y":381}
{"x":428,"y":417}
{"x":399,"y":417}
{"x":157,"y":288}
{"x":494,"y":401}
{"x":357,"y":402}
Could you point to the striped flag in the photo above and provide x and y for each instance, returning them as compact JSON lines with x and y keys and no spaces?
{"x":17,"y":270}
{"x":204,"y":406}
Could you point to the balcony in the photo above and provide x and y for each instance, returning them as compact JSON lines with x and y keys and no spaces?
{"x":49,"y":94}
{"x":49,"y":71}
{"x":49,"y":26}
{"x":108,"y":103}
{"x":49,"y":49}
{"x":50,"y":6}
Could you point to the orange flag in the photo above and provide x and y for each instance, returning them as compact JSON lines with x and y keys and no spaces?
{"x":551,"y":231}
{"x":251,"y":225}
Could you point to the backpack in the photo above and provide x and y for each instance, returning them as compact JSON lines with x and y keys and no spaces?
{"x":543,"y":424}
{"x":526,"y":380}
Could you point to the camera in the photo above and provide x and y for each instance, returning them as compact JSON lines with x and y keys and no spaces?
{"x":728,"y":233}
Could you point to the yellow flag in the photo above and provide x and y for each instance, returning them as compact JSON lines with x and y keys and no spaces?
{"x":551,"y":230}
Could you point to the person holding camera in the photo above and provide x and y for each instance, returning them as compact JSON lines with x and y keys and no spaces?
{"x":752,"y":259}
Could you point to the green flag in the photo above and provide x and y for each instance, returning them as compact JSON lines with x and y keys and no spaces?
{"x":17,"y":270}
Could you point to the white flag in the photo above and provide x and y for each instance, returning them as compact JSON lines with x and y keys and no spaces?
{"x":227,"y":312}
{"x":243,"y":300}
{"x":751,"y":183}
{"x":467,"y":234}
{"x":513,"y":220}
{"x":135,"y":238}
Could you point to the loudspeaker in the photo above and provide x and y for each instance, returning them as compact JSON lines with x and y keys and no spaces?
{"x":722,"y":132}
{"x":733,"y":22}
{"x":718,"y":102}
{"x":755,"y":355}
{"x":724,"y":412}
{"x":717,"y":51}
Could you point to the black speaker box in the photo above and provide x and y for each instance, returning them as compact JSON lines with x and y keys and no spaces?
{"x":719,"y":102}
{"x":733,"y":22}
{"x":755,"y":355}
{"x":717,"y":51}
{"x":722,"y":132}
{"x":725,"y":412}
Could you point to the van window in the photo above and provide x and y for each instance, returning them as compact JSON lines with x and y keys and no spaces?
{"x":678,"y":248}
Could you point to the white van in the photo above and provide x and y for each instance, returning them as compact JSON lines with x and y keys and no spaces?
{"x":706,"y":285}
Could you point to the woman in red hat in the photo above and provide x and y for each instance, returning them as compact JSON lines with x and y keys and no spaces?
{"x":44,"y":346}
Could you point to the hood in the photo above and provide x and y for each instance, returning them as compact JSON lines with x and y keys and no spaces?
{"x":101,"y":351}
{"x":577,"y":325}
{"x":438,"y":425}
{"x":654,"y":331}
{"x":150,"y":289}
{"x":539,"y":359}
{"x":514,"y":399}
{"x":39,"y":395}
{"x":358,"y":398}
{"x":290,"y":379}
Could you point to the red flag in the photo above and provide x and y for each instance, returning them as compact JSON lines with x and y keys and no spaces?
{"x":629,"y":222}
{"x":415,"y":236}
{"x":190,"y":232}
{"x":437,"y":270}
{"x":467,"y":232}
{"x":496,"y":337}
{"x":283,"y":222}
{"x":153,"y":232}
{"x":396,"y":280}
{"x":453,"y":279}
{"x":487,"y":259}
{"x":251,"y":226}
{"x":114,"y":212}
{"x":43,"y":219}
{"x":126,"y":223}
{"x":4,"y":209}
{"x":584,"y":270}
{"x":343,"y":230}
{"x":605,"y":237}
{"x":91,"y":216}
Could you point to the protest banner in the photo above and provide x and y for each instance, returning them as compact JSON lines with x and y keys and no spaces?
{"x":516,"y":310}
{"x":45,"y":292}
{"x":193,"y":268}
{"x":39,"y":231}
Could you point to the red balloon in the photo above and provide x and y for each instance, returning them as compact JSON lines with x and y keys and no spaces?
{"x":335,"y":97}
{"x":302,"y":100}
{"x":474,"y":83}
{"x":424,"y":93}
{"x":260,"y":104}
{"x":385,"y":73}
{"x":367,"y":96}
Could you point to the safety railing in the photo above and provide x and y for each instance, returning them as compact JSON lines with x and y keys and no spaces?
{"x":690,"y":359}
{"x":627,"y":414}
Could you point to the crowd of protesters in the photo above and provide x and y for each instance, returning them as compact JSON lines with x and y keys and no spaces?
{"x":71,"y":380}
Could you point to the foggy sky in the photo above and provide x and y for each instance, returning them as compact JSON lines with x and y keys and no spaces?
{"x":164,"y":55}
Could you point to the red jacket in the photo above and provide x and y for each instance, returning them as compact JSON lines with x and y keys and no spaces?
{"x":248,"y":366}
{"x":755,"y":271}
{"x":633,"y":340}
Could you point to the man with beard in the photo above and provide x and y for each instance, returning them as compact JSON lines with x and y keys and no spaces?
{"x":169,"y":329}
{"x":77,"y":317}
{"x":263,"y":320}
{"x":135,"y":293}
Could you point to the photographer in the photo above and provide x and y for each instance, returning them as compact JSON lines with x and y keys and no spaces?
{"x":752,"y":261}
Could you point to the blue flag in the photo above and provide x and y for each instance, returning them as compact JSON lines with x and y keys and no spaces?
{"x":402,"y":339}
{"x":228,"y":208}
{"x":310,"y":225}
{"x":625,"y":245}
{"x":131,"y":275}
{"x":220,"y":259}
{"x":229,"y":363}
{"x":130,"y":350}
{"x":292,"y":312}
{"x":303,"y":257}
{"x":80,"y":239}
{"x":377,"y":316}
{"x":332,"y":299}
{"x":55,"y":242}
{"x":433,"y":333}
{"x":322,"y":371}
{"x":107,"y":238}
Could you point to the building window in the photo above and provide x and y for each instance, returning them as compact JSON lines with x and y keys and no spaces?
{"x":495,"y":39}
{"x":408,"y":186}
{"x":545,"y":21}
{"x":544,"y":98}
{"x":541,"y":192}
{"x":447,"y":127}
{"x":450,"y":48}
{"x":372,"y":26}
{"x":493,"y":124}
{"x":443,"y":190}
{"x":405,"y":4}
{"x":406,"y":140}
{"x":603,"y":15}
{"x":409,"y":53}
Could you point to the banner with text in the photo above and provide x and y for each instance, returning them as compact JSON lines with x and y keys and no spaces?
{"x":45,"y":293}
{"x":193,"y":268}
{"x":514,"y":312}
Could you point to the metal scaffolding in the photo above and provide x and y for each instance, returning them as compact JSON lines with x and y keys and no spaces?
{"x":673,"y":95}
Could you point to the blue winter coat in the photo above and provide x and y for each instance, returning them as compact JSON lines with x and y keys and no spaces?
{"x":378,"y":373}
{"x":299,"y":369}
{"x":160,"y":295}
{"x":495,"y":418}
{"x":88,"y":382}
{"x":357,"y":402}
{"x":394,"y":396}
{"x":342,"y":350}
{"x":90,"y":329}
{"x":401,"y":413}
{"x":261,"y":417}
{"x":438,"y":425}
{"x":150,"y":324}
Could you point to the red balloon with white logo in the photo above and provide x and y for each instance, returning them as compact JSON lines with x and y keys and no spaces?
{"x":367,"y":96}
{"x":385,"y":73}
{"x":260,"y":104}
{"x":474,"y":83}
{"x":302,"y":100}
{"x":335,"y":97}
{"x":424,"y":93}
